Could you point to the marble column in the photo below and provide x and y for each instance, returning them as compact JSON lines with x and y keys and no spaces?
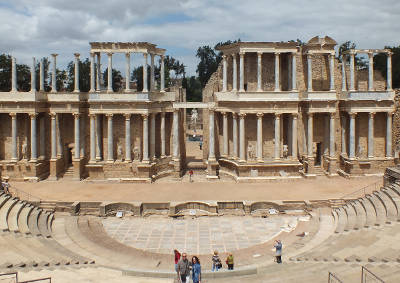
{"x":153,"y":136}
{"x":352,"y":135}
{"x":289,"y":72}
{"x":389,"y":135}
{"x":92,"y":73}
{"x":309,"y":72}
{"x":225,"y":134}
{"x":92,"y":137}
{"x":294,"y":136}
{"x":211,"y":144}
{"x":33,"y":137}
{"x":13,"y":74}
{"x":235,"y":135}
{"x":145,"y":137}
{"x":175,"y":135}
{"x":128,"y":72}
{"x":332,"y":135}
{"x":109,"y":73}
{"x":128,"y":151}
{"x":53,"y":117}
{"x":145,"y":73}
{"x":60,"y":148}
{"x":234,"y":73}
{"x":33,"y":75}
{"x":162,"y":71}
{"x":260,"y":157}
{"x":277,"y":72}
{"x":389,"y":70}
{"x":77,"y":139}
{"x":76,"y":89}
{"x":259,"y":71}
{"x":371,"y":135}
{"x":54,"y":74}
{"x":224,"y":73}
{"x":41,"y":75}
{"x":110,"y":138}
{"x":14,"y":134}
{"x":162,"y":134}
{"x":98,"y":73}
{"x":344,"y":86}
{"x":332,"y":72}
{"x":241,"y":73}
{"x":277,"y":129}
{"x":310,"y":135}
{"x":352,"y":72}
{"x":344,"y":126}
{"x":294,"y":72}
{"x":371,"y":71}
{"x":242,"y":149}
{"x":99,"y":137}
{"x":152,"y":72}
{"x":42,"y":138}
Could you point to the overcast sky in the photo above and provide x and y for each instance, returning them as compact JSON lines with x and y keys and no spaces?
{"x":41,"y":27}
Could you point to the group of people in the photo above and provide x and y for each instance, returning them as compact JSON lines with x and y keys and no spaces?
{"x":5,"y":186}
{"x":183,"y":266}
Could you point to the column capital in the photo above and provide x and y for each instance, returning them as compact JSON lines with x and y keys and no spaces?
{"x":295,"y":116}
{"x":389,"y":53}
{"x":92,"y":115}
{"x":53,"y":115}
{"x":145,"y":116}
{"x":77,"y":55}
{"x":241,"y":53}
{"x":371,"y":54}
{"x":33,"y":115}
{"x":390,"y":113}
{"x":109,"y":115}
{"x":259,"y":115}
{"x":54,"y":55}
{"x":223,"y":113}
{"x":76,"y":115}
{"x":234,"y":114}
{"x":332,"y":115}
{"x":128,"y":55}
{"x":331,"y":56}
{"x":145,"y":55}
{"x":309,"y":55}
{"x":352,"y":114}
{"x":278,"y":115}
{"x":92,"y":54}
{"x":242,"y":115}
{"x":152,"y":55}
{"x":224,"y":57}
{"x":233,"y":55}
{"x":127,"y":116}
{"x":352,"y":52}
{"x":259,"y":53}
{"x":162,"y":57}
{"x":277,"y":54}
{"x":109,"y":54}
{"x":310,"y":114}
{"x":372,"y":114}
{"x":13,"y":114}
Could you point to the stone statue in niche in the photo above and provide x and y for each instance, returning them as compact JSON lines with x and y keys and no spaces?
{"x":360,"y":152}
{"x":251,"y":152}
{"x":136,"y":154}
{"x":285,"y":151}
{"x":24,"y":151}
{"x":193,"y":118}
{"x":120,"y":153}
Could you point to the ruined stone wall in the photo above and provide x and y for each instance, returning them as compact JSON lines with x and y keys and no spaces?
{"x":396,"y":122}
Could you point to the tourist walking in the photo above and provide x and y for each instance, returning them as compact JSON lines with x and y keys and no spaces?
{"x":177,"y":256}
{"x":278,"y":251}
{"x":191,"y":176}
{"x":6,"y":186}
{"x":216,"y":262}
{"x":183,"y":268}
{"x":229,"y":261}
{"x":196,"y":270}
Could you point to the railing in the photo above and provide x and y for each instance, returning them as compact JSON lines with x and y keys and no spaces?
{"x":363,"y":191}
{"x":15,"y":192}
{"x":367,"y":276}
{"x":11,"y":277}
{"x":333,"y":279}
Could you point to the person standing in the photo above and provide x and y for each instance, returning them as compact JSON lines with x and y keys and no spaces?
{"x":191,"y":176}
{"x":229,"y":261}
{"x":6,"y":187}
{"x":216,"y":262}
{"x":196,"y":270}
{"x":278,"y":251}
{"x":183,"y":268}
{"x":177,"y":256}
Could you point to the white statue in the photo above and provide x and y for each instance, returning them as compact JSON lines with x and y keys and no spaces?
{"x":193,"y":118}
{"x":120,"y":153}
{"x":24,"y":151}
{"x":251,"y":152}
{"x":136,"y":154}
{"x":285,"y":151}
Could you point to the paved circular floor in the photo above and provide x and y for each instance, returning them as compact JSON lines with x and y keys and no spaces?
{"x":199,"y":235}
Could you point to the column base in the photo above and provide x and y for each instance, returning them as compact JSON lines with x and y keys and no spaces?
{"x":77,"y":164}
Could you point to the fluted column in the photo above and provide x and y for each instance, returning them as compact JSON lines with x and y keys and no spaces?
{"x":294,"y":72}
{"x":370,"y":71}
{"x":145,"y":73}
{"x":99,"y":137}
{"x":389,"y":70}
{"x":162,"y":71}
{"x":162,"y":134}
{"x":110,"y":138}
{"x":225,"y":134}
{"x":259,"y":137}
{"x":352,"y":72}
{"x":153,"y":136}
{"x":175,"y":135}
{"x":76,"y":89}
{"x":211,"y":145}
{"x":145,"y":137}
{"x":234,"y":73}
{"x":92,"y":73}
{"x":242,"y":150}
{"x":33,"y":75}
{"x":294,"y":136}
{"x":332,"y":135}
{"x":241,"y":73}
{"x":235,"y":154}
{"x":42,"y":138}
{"x":41,"y":75}
{"x":14,"y":133}
{"x":344,"y":126}
{"x":259,"y":71}
{"x":92,"y":137}
{"x":277,"y":129}
{"x":33,"y":137}
{"x":77,"y":139}
{"x":54,"y":74}
{"x":128,"y":72}
{"x":310,"y":136}
{"x":13,"y":74}
{"x":389,"y":134}
{"x":109,"y":73}
{"x":98,"y":86}
{"x":332,"y":72}
{"x":277,"y":72}
{"x":224,"y":73}
{"x":53,"y":117}
{"x":371,"y":135}
{"x":309,"y":72}
{"x":352,"y":135}
{"x":344,"y":86}
{"x":128,"y":155}
{"x":152,"y":72}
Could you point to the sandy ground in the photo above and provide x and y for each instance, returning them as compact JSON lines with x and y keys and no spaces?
{"x":301,"y":189}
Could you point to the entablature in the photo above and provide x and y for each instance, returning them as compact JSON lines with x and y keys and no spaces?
{"x":258,"y":96}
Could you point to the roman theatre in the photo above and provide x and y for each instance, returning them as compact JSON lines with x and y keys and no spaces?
{"x":290,"y":142}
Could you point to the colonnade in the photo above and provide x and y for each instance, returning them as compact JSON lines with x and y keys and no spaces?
{"x":331,"y":71}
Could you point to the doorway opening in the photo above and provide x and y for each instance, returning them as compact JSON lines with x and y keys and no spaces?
{"x":318,"y":156}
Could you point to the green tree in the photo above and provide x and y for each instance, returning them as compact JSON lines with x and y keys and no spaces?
{"x":380,"y":64}
{"x":193,"y":89}
{"x":360,"y":62}
{"x":84,"y":75}
{"x":116,"y":79}
{"x":23,"y":75}
{"x":46,"y":64}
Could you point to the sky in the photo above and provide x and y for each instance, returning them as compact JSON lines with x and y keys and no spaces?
{"x":40,"y":27}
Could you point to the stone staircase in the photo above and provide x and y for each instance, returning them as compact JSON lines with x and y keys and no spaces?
{"x":69,"y":173}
